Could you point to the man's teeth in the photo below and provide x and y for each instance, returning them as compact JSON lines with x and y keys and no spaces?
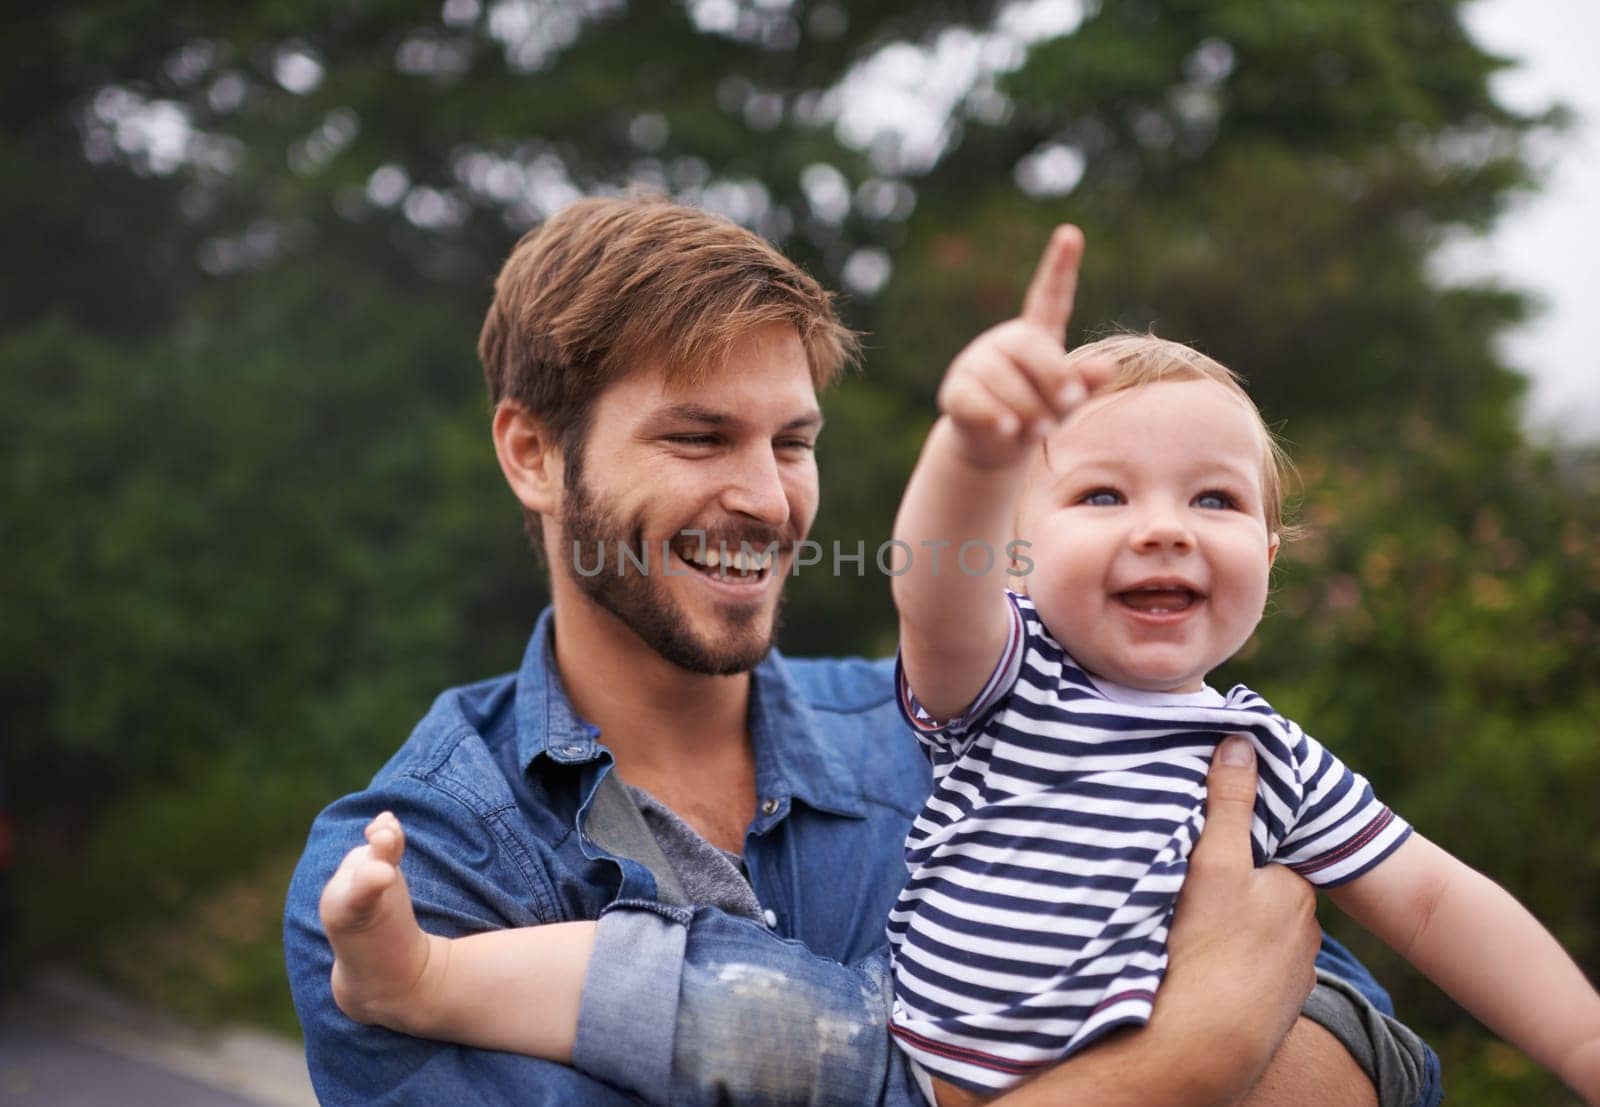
{"x":740,"y":562}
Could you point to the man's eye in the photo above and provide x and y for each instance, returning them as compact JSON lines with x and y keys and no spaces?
{"x":797,"y":444}
{"x":1215,"y":501}
{"x":691,"y":439}
{"x":1101,"y":497}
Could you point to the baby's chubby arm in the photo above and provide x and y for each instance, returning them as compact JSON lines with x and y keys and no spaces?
{"x":1000,"y":396}
{"x":473,"y":991}
{"x":1469,"y":936}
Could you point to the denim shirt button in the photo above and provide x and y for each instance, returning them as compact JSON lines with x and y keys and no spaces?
{"x":769,"y":806}
{"x":572,"y":751}
{"x":770,"y":917}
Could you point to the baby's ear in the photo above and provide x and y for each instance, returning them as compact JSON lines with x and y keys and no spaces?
{"x":1273,"y":542}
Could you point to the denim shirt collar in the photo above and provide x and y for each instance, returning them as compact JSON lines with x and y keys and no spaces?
{"x":792,"y":761}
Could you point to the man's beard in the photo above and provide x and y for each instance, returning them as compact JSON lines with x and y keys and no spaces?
{"x":592,"y":529}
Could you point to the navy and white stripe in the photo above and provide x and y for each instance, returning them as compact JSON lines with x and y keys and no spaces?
{"x":1046,"y":864}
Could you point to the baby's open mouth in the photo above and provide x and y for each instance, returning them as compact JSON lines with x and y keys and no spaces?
{"x":1160,"y":599}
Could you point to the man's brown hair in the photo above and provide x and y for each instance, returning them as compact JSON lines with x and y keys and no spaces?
{"x":611,"y":284}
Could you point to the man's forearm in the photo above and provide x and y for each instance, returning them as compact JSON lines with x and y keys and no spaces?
{"x":1164,"y":1064}
{"x":1136,"y":1069}
{"x":1149,"y":1071}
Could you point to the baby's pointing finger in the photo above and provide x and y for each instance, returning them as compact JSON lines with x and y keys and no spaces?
{"x":1048,"y":301}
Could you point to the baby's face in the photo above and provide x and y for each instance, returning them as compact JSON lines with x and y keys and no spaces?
{"x":1149,"y":538}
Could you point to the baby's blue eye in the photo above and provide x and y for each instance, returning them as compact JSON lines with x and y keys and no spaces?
{"x":1102,"y":497}
{"x":1214,"y":501}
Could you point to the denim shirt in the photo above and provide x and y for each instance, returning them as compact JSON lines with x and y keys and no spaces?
{"x":493,"y":788}
{"x":682,"y":1004}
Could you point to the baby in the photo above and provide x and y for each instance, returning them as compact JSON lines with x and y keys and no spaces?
{"x":1070,"y":725}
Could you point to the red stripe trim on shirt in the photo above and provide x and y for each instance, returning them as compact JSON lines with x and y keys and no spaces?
{"x":966,"y":1055}
{"x":1355,"y":845}
{"x":1132,"y":993}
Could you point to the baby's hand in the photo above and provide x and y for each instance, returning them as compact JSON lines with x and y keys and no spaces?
{"x":1012,"y":383}
{"x":380,"y":955}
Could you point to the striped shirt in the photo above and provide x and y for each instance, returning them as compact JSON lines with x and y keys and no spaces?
{"x":1045,"y":866}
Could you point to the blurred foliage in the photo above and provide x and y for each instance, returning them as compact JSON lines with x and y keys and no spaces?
{"x":252,"y":520}
{"x":1439,"y":626}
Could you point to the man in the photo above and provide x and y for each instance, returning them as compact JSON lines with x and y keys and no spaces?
{"x":735,"y":819}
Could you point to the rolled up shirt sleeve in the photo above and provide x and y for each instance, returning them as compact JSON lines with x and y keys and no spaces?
{"x":629,"y":1011}
{"x":715,"y":1009}
{"x":1350,"y":1004}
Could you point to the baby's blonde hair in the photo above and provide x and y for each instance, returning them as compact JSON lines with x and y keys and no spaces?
{"x":1143,"y":359}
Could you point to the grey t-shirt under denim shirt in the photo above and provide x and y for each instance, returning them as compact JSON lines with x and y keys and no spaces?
{"x":630,"y":822}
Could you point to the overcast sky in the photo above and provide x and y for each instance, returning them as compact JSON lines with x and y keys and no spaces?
{"x":1551,"y":244}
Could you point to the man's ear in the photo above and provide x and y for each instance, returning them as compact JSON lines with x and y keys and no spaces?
{"x":529,"y":456}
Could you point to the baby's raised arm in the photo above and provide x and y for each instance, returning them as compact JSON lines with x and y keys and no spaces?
{"x":1002,"y":393}
{"x":1487,"y":952}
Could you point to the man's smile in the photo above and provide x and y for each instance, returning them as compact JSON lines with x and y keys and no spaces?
{"x":748,"y":563}
{"x":736,"y":573}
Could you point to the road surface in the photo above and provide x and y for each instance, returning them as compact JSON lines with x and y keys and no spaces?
{"x":65,"y":1042}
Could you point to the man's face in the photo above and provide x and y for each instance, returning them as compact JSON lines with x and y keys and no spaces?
{"x":732,"y":456}
{"x":1150,"y":541}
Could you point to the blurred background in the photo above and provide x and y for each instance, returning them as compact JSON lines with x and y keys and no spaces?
{"x":252,"y":523}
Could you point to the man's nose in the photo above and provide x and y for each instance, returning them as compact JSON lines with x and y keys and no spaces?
{"x":755,"y":487}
